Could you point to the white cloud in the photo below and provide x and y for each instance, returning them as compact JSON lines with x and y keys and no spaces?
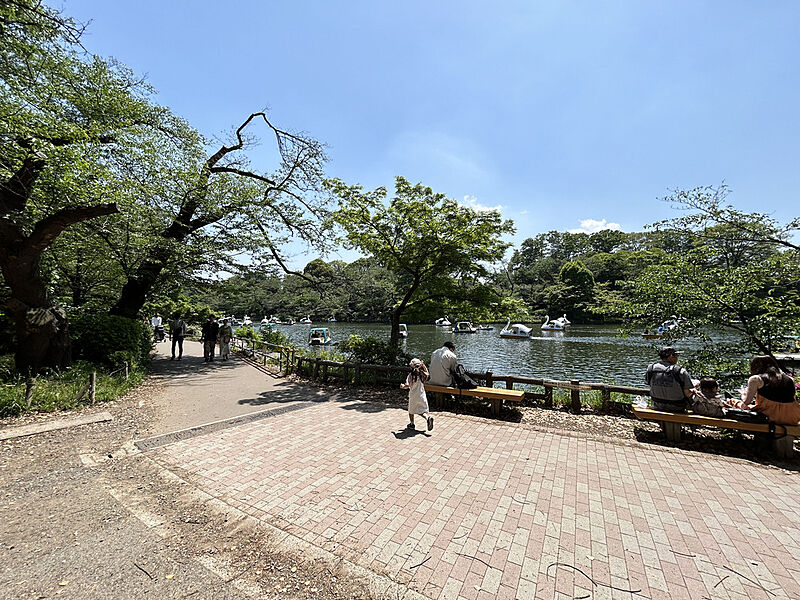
{"x":593,"y":226}
{"x":472,"y":202}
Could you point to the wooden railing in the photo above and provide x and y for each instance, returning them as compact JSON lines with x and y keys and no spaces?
{"x":289,"y":361}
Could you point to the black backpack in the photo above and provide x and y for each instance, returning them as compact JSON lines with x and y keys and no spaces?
{"x":461,"y":380}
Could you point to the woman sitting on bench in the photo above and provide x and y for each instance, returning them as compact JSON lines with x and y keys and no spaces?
{"x":771,"y":392}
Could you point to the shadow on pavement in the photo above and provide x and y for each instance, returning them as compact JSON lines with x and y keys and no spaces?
{"x":404,"y":434}
{"x":281,"y":396}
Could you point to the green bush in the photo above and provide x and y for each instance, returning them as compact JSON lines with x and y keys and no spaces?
{"x":373,"y":350}
{"x":56,"y":390}
{"x":111,"y":339}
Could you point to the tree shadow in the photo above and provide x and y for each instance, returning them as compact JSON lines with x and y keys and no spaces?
{"x":734,"y":444}
{"x":285,"y":395}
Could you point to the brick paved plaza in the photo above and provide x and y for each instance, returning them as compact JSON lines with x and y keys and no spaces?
{"x":484,"y":509}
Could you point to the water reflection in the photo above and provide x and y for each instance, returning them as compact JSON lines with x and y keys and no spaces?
{"x":584,"y":352}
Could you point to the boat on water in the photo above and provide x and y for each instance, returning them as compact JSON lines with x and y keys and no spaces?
{"x":265,"y":320}
{"x":306,"y":320}
{"x":319,"y":336}
{"x":666,"y":326}
{"x":442,"y":322}
{"x":331,"y":319}
{"x":464,"y":327}
{"x":564,"y":320}
{"x":517,"y":330}
{"x":485,"y":327}
{"x":247,"y":321}
{"x":403,"y":330}
{"x":291,"y":321}
{"x":232,"y":320}
{"x":549,"y":325}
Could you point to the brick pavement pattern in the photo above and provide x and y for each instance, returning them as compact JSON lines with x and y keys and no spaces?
{"x":480,"y":509}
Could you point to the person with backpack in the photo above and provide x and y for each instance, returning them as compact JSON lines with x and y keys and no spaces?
{"x":670,"y":384}
{"x":177,"y":331}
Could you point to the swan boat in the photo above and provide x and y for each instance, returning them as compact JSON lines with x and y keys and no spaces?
{"x":306,"y":320}
{"x":319,"y":336}
{"x":442,"y":322}
{"x":464,"y":327}
{"x":331,"y":319}
{"x":665,"y":327}
{"x":403,"y":330}
{"x":563,"y":320}
{"x":485,"y":327}
{"x":246,"y":321}
{"x":517,"y":330}
{"x":549,"y":325}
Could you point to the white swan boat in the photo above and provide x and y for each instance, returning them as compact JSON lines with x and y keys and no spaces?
{"x":246,"y":321}
{"x":665,"y":327}
{"x":464,"y":327}
{"x":265,"y":321}
{"x":306,"y":320}
{"x":517,"y":330}
{"x":442,"y":322}
{"x":549,"y":325}
{"x":563,"y":320}
{"x":403,"y":330}
{"x":331,"y":319}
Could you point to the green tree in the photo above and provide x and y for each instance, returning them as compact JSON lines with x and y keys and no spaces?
{"x":64,"y":115}
{"x":429,"y":242}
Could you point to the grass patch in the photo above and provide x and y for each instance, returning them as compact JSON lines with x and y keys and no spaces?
{"x":56,"y":390}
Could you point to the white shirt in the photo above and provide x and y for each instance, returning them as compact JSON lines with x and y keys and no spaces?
{"x":443,"y":362}
{"x":155,"y":321}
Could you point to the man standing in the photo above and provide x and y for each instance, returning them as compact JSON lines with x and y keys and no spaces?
{"x":443,"y":363}
{"x":225,"y":336}
{"x":670,"y":385}
{"x":210,"y":331}
{"x":177,"y":331}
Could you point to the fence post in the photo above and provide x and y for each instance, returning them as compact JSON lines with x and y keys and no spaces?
{"x":576,"y":397}
{"x":357,"y":374}
{"x":316,"y":368}
{"x":489,"y":380}
{"x":548,"y":396}
{"x":291,"y":363}
{"x":92,"y":386}
{"x":127,"y":375}
{"x":31,"y":381}
{"x":605,"y":395}
{"x":325,"y":373}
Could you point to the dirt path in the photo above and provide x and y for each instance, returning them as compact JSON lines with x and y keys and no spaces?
{"x":84,"y":516}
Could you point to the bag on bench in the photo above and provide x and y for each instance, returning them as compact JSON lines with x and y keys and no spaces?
{"x":461,"y":380}
{"x":746,"y":416}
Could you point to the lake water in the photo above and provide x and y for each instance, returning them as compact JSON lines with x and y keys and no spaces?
{"x":585,"y":352}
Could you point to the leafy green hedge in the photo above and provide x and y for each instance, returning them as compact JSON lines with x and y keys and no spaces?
{"x":111,"y":339}
{"x":372,"y":350}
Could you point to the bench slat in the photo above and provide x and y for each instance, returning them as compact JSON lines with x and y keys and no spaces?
{"x":649,"y":414}
{"x":478,"y":392}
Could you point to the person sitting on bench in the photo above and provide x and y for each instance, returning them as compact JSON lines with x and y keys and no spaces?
{"x":670,"y":385}
{"x":707,"y":400}
{"x":771,"y":392}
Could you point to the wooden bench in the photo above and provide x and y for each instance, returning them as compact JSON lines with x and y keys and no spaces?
{"x":496,"y":395}
{"x":671,"y":425}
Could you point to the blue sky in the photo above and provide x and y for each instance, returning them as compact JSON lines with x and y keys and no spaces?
{"x":557,"y":112}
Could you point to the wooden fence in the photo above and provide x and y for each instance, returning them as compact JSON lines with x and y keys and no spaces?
{"x":288,"y":360}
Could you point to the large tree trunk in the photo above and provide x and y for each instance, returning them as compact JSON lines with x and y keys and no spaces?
{"x":137,"y":287}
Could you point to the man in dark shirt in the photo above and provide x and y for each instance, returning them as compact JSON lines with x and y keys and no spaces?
{"x":210,"y":331}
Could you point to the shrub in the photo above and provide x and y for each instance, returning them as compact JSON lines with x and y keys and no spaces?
{"x":373,"y":350}
{"x":111,"y":339}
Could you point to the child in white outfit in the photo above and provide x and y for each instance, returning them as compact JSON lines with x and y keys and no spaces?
{"x":417,"y":399}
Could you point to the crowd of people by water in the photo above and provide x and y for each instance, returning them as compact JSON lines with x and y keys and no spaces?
{"x":768,"y":396}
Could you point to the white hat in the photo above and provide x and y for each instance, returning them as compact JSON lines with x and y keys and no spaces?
{"x":415,"y":362}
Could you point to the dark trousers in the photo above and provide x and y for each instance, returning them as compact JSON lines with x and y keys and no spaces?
{"x":179,"y":342}
{"x":208,"y":349}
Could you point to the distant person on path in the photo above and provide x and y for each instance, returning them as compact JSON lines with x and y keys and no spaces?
{"x":209,"y":334}
{"x":771,"y":392}
{"x":443,"y":363}
{"x":225,"y":337}
{"x":177,"y":330}
{"x":156,"y":321}
{"x":417,"y":400}
{"x":670,"y":385}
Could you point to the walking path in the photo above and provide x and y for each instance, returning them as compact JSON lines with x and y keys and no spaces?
{"x":483,"y":509}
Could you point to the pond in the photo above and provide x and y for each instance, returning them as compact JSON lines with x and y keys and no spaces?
{"x":584,"y":352}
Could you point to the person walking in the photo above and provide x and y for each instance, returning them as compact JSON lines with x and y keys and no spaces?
{"x":225,"y":337}
{"x":417,"y":399}
{"x":177,"y":331}
{"x":209,"y":334}
{"x":670,"y":384}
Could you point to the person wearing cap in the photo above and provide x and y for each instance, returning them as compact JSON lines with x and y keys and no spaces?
{"x":443,"y":363}
{"x":417,"y":399}
{"x":670,"y":384}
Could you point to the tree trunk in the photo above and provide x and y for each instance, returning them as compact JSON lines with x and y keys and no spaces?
{"x":134,"y":292}
{"x":394,"y":338}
